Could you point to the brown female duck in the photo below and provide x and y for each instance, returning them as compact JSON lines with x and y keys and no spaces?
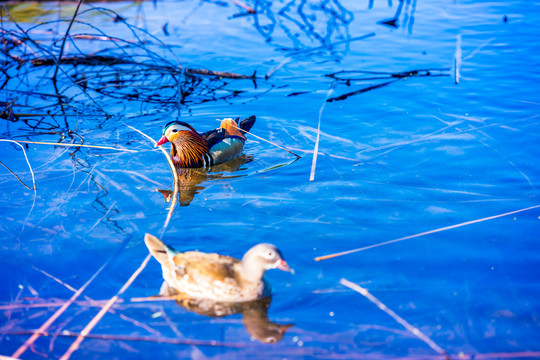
{"x":217,"y":277}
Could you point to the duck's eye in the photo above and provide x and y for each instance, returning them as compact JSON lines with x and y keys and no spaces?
{"x":175,"y":130}
{"x":269,"y":254}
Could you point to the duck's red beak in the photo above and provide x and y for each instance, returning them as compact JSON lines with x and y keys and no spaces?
{"x":284,"y":266}
{"x":162,"y":141}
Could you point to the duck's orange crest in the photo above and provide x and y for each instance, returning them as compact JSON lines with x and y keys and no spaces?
{"x":232,"y":128}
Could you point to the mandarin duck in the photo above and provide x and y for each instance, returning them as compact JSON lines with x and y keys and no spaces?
{"x":215,"y":277}
{"x":189,"y":149}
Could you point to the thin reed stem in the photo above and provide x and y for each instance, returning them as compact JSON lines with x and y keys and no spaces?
{"x":330,"y":256}
{"x":84,"y":333}
{"x":65,"y":38}
{"x":75,"y":145}
{"x":12,"y":173}
{"x":316,"y":149}
{"x":413,"y":330}
{"x":268,"y":141}
{"x":43,"y":328}
{"x":174,"y":173}
{"x":457,"y":60}
{"x":160,"y":340}
{"x":26,"y":157}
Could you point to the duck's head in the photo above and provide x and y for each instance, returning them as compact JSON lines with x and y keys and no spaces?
{"x":172,"y":130}
{"x":263,"y":257}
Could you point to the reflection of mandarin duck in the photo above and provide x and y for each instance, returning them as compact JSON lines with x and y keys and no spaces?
{"x":190,"y":180}
{"x":217,"y":277}
{"x":189,"y":149}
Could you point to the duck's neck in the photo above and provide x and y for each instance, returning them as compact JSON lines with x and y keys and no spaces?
{"x":188,"y":149}
{"x":252,"y":270}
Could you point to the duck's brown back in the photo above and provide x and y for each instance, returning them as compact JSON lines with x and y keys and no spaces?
{"x":211,"y":276}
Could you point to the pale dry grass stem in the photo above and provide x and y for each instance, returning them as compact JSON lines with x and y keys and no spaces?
{"x":84,"y":333}
{"x":263,"y":139}
{"x":76,"y":145}
{"x":330,"y":256}
{"x":316,"y":149}
{"x":413,"y":330}
{"x":174,"y":173}
{"x":26,"y":157}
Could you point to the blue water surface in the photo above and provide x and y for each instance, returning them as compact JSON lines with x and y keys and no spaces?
{"x":400,"y":155}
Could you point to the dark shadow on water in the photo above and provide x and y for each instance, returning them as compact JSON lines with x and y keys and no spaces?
{"x":254,"y":313}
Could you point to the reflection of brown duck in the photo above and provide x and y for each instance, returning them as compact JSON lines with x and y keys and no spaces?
{"x":254,"y":313}
{"x":189,"y":179}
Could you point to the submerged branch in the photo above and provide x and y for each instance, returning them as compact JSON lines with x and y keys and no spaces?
{"x":62,"y":47}
{"x":75,"y":145}
{"x":97,"y":60}
{"x":85,"y":332}
{"x":160,"y":340}
{"x":360,"y":91}
{"x":28,"y":162}
{"x":12,"y":173}
{"x":43,"y":328}
{"x":380,"y":75}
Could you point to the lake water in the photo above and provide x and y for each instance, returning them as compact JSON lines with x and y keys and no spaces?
{"x":399,"y":154}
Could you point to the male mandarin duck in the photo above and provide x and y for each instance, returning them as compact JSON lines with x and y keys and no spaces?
{"x":189,"y":149}
{"x":217,"y":277}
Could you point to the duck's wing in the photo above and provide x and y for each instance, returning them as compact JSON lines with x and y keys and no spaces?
{"x":226,"y":150}
{"x":207,"y":268}
{"x":215,"y":136}
{"x":227,"y":142}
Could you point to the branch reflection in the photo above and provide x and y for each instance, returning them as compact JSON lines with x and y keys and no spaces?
{"x":408,"y":16}
{"x":303,"y":23}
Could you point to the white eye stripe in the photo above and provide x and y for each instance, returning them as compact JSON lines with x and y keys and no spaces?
{"x":175,"y":128}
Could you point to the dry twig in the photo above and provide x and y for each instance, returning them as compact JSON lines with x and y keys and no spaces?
{"x":43,"y":328}
{"x":330,"y":256}
{"x":174,"y":173}
{"x":26,"y":157}
{"x":413,"y":330}
{"x":75,"y":145}
{"x":65,"y":38}
{"x":316,"y":149}
{"x":268,"y":141}
{"x":84,"y":333}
